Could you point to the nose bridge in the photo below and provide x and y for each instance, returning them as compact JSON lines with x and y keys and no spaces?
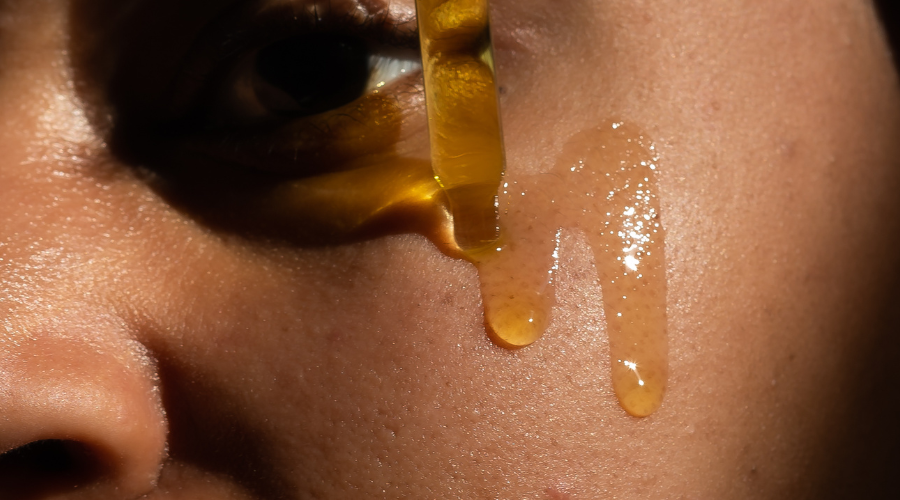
{"x":80,"y":416}
{"x":79,"y":411}
{"x":74,"y":379}
{"x":58,"y":219}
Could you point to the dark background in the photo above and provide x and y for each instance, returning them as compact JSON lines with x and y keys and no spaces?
{"x":890,"y":12}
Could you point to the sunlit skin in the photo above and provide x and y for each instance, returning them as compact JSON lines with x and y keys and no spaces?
{"x":201,"y":353}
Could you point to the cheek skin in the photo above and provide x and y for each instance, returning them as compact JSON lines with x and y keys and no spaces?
{"x":779,"y":170}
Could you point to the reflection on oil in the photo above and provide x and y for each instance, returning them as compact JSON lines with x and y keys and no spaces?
{"x":605,"y":185}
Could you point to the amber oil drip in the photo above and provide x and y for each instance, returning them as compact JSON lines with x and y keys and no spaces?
{"x":604,"y":185}
{"x":463,"y":115}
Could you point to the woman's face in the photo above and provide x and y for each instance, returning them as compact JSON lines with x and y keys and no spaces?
{"x":180,"y":352}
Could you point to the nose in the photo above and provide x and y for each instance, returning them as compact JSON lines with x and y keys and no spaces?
{"x":77,"y":420}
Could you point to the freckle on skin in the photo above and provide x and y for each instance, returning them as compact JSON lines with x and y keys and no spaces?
{"x":554,"y":493}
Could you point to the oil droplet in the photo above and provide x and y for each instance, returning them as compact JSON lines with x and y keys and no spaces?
{"x":604,"y":185}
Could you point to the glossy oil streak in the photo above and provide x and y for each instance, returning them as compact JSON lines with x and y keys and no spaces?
{"x":604,"y":185}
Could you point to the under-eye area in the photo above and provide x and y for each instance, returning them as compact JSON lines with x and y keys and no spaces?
{"x":259,"y":98}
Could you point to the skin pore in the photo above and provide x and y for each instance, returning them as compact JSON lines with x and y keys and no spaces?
{"x":186,"y":349}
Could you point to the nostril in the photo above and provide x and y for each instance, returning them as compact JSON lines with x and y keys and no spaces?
{"x":43,"y":468}
{"x":77,"y":422}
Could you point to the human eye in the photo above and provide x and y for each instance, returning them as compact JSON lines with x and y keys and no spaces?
{"x":299,"y":89}
{"x":302,"y":120}
{"x":312,"y":74}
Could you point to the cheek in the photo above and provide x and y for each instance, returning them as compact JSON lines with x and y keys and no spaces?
{"x":778,"y":176}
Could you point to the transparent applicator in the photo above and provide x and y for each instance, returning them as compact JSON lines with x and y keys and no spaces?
{"x":467,"y":157}
{"x":463,"y":115}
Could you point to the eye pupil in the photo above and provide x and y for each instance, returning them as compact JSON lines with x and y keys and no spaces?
{"x":318,"y":72}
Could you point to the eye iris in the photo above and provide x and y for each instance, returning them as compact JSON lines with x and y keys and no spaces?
{"x":318,"y":72}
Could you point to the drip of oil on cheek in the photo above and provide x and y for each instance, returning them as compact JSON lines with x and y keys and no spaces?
{"x":605,"y":185}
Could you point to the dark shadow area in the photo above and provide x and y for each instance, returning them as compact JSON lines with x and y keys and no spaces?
{"x":867,"y":456}
{"x":867,"y":447}
{"x":889,"y":11}
{"x":44,"y":468}
{"x":124,"y":57}
{"x":209,"y":430}
{"x":154,"y":98}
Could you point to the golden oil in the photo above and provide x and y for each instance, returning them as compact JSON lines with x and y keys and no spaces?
{"x":463,"y":115}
